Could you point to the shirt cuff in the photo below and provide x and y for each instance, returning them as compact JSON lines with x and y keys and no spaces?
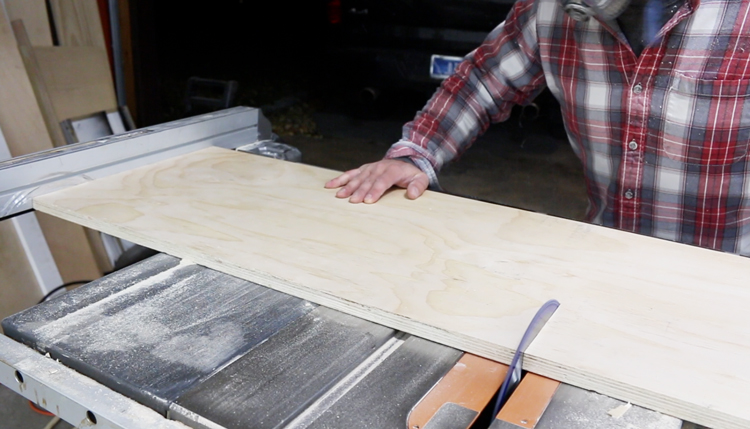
{"x":423,"y":165}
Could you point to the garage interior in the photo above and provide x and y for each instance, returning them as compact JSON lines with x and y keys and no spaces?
{"x":301,"y":66}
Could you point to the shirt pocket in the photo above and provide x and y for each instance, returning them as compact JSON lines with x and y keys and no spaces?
{"x":706,"y":122}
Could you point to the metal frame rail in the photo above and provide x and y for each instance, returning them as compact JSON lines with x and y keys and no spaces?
{"x":25,"y":177}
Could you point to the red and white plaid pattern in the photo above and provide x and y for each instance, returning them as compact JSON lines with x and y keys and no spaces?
{"x":663,"y":137}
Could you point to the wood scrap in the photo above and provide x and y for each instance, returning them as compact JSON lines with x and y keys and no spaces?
{"x":34,"y":15}
{"x":640,"y":318}
{"x":21,"y":120}
{"x":78,"y":80}
{"x":78,"y":23}
{"x":70,"y":247}
{"x":18,"y":287}
{"x":25,"y":132}
{"x":37,"y":82}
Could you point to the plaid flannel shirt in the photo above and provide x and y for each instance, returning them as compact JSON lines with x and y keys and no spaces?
{"x":663,"y":137}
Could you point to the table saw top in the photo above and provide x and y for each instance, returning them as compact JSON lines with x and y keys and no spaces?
{"x":212,"y":350}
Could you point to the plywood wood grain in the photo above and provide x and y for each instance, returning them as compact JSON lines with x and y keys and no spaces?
{"x":78,"y":23}
{"x":78,"y":80}
{"x":656,"y":323}
{"x":35,"y":18}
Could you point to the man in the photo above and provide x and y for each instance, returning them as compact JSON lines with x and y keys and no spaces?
{"x":655,"y":99}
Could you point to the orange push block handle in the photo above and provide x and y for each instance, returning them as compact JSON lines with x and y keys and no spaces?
{"x":528,"y":402}
{"x":471,"y":383}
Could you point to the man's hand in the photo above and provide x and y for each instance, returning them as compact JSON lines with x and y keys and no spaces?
{"x":369,"y":182}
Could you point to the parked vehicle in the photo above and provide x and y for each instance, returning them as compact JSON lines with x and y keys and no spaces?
{"x":376,"y":46}
{"x":395,"y":43}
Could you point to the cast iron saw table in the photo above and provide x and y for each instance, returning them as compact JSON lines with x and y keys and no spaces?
{"x":214,"y":351}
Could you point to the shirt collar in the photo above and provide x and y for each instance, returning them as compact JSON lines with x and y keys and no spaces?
{"x":605,"y":10}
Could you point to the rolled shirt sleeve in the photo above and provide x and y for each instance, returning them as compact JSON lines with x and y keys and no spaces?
{"x":504,"y":71}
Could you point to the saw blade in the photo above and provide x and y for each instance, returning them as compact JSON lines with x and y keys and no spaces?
{"x":513,"y":375}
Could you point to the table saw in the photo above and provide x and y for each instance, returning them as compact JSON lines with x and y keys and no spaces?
{"x":167,"y":342}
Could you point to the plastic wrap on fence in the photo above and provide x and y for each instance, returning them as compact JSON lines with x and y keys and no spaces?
{"x":273,"y":149}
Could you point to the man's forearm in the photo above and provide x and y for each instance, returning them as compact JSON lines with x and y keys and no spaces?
{"x":502,"y":72}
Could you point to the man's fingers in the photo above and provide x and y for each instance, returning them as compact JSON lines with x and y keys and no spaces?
{"x":364,"y":190}
{"x":383,"y":176}
{"x":353,"y":186}
{"x":343,"y":193}
{"x":337,"y":182}
{"x":378,"y":188}
{"x":369,"y":182}
{"x":341,"y":180}
{"x":417,"y":186}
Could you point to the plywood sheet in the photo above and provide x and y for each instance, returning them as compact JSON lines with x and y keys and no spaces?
{"x":656,"y":323}
{"x":37,"y":82}
{"x":20,"y":117}
{"x":35,"y":18}
{"x":78,"y":80}
{"x":78,"y":23}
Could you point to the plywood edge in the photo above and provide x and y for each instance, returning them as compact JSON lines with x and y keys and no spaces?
{"x":626,"y":392}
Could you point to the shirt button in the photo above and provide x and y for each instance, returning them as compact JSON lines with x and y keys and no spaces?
{"x":637,"y":88}
{"x":633,"y":145}
{"x":629,"y":194}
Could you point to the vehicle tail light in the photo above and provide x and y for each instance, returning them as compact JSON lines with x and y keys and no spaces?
{"x":334,"y":11}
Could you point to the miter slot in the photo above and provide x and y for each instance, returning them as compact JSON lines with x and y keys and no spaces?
{"x":154,"y":330}
{"x":275,"y":381}
{"x":384,"y":395}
